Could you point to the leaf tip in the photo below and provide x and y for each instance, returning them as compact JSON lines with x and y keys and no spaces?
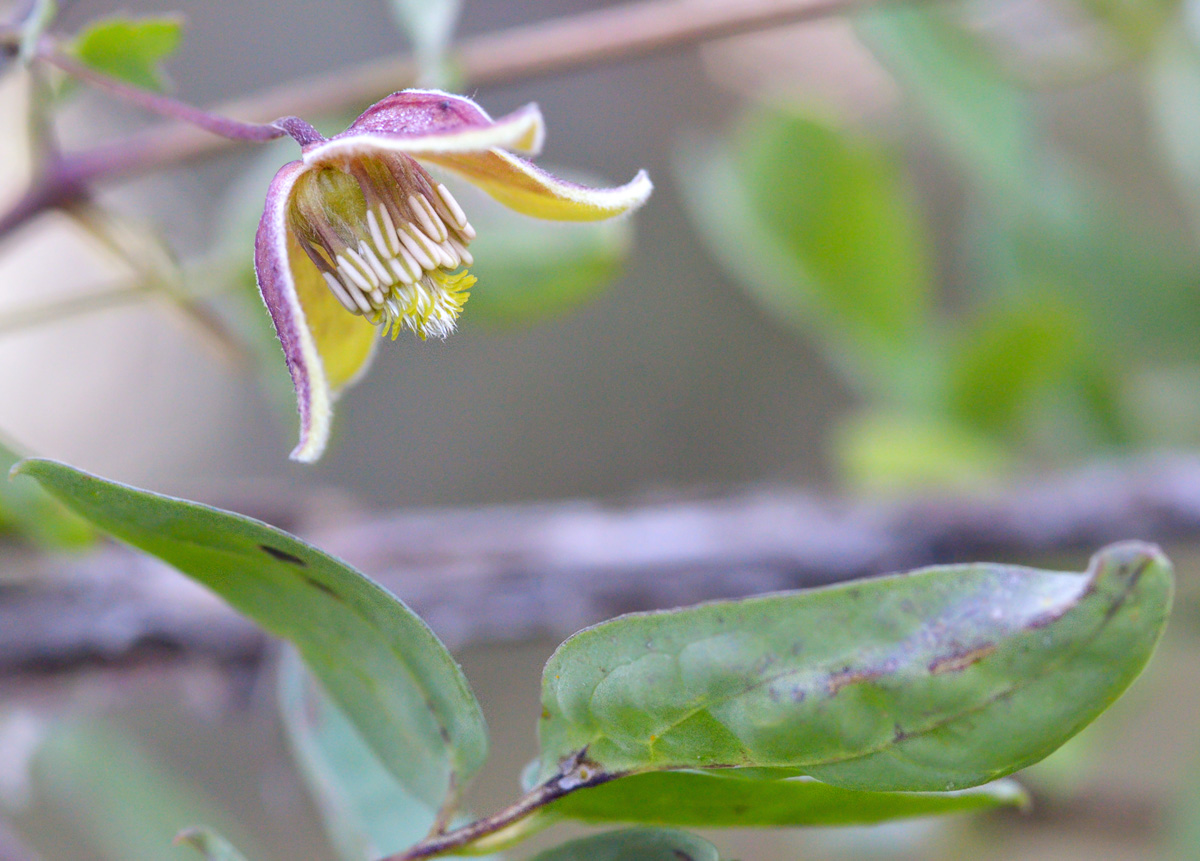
{"x":1009,"y":793}
{"x":26,"y":466}
{"x":1127,"y":562}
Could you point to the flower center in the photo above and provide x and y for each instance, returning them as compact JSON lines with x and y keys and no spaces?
{"x":387,"y":240}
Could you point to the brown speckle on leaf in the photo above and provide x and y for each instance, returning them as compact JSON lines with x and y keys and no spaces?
{"x":317,"y":584}
{"x":961,"y":660}
{"x":850,"y":676}
{"x":282,"y":555}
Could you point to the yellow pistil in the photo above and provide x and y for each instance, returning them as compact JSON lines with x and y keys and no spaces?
{"x":427,"y":307}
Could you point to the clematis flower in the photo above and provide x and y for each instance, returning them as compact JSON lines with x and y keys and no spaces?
{"x":358,"y":240}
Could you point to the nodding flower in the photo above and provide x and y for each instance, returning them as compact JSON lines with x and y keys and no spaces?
{"x":357,"y":238}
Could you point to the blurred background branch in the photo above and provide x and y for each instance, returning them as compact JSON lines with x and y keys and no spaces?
{"x":519,"y":53}
{"x":511,"y":573}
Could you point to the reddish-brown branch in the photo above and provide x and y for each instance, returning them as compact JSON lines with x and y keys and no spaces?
{"x":546,"y":47}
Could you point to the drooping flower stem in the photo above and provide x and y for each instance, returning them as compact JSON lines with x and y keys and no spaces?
{"x":164,"y":106}
{"x":597,"y":37}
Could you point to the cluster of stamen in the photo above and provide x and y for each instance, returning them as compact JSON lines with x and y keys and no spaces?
{"x":387,"y":240}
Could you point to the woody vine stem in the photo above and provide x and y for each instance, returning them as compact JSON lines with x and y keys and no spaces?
{"x":519,"y":53}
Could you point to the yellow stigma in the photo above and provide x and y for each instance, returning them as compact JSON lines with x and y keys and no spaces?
{"x":428,"y":307}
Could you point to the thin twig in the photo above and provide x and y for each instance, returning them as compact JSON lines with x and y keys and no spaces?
{"x":547,"y":47}
{"x":21,"y":319}
{"x":153,"y":264}
{"x":158,"y":103}
{"x":576,"y":774}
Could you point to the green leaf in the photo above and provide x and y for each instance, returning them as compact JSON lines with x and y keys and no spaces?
{"x":127,"y":804}
{"x":982,"y":117}
{"x":700,"y":799}
{"x":211,"y":845}
{"x":1009,"y":356}
{"x":936,"y":680}
{"x":1074,"y":243}
{"x":367,"y":813}
{"x":1048,"y":223}
{"x":29,"y":511}
{"x":381,"y":664}
{"x":821,"y":226}
{"x":130,"y":49}
{"x":644,"y":844}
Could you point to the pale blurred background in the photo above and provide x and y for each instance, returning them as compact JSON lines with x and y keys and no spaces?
{"x":669,"y":379}
{"x":672,"y":381}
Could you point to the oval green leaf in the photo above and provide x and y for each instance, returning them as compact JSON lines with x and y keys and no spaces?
{"x":983,"y":117}
{"x":130,"y":49}
{"x":937,"y":680}
{"x":382,"y":665}
{"x":644,"y":844}
{"x":820,"y":225}
{"x":99,"y":782}
{"x":700,"y":799}
{"x":367,"y":814}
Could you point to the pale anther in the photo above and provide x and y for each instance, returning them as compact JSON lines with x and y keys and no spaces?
{"x":463,"y":254}
{"x":356,"y":295}
{"x":389,"y":230}
{"x":376,"y":233}
{"x":335,"y":287}
{"x":431,"y":248}
{"x":415,"y":249}
{"x":348,"y":270}
{"x":402,"y":273}
{"x":460,"y":217}
{"x":409,"y":262}
{"x":372,"y":258}
{"x":428,"y":217}
{"x":363,"y":266}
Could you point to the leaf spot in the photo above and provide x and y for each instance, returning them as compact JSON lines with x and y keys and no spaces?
{"x":848,"y":676}
{"x":282,"y":555}
{"x":317,"y":584}
{"x":961,"y":660}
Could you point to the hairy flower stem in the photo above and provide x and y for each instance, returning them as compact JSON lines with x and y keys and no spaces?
{"x":546,"y":47}
{"x":165,"y":106}
{"x":577,"y":774}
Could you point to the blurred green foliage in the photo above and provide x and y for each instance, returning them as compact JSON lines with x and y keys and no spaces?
{"x":531,"y":270}
{"x":125,"y":801}
{"x":1028,"y":337}
{"x":130,"y":49}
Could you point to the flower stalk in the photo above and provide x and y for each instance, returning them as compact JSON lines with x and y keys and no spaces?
{"x":615,"y":34}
